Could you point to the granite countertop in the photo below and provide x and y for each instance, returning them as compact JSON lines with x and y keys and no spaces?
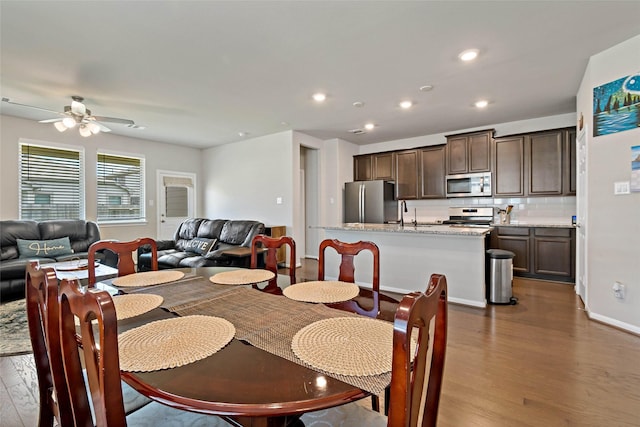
{"x":415,"y":229}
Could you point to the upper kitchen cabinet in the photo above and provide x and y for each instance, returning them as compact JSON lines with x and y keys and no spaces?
{"x":432,"y":172}
{"x":362,"y":168}
{"x":570,"y":162}
{"x":535,"y":164}
{"x":508,"y":166}
{"x":374,"y":166}
{"x":545,"y":163}
{"x":407,"y":174}
{"x":383,"y":166}
{"x":469,"y":152}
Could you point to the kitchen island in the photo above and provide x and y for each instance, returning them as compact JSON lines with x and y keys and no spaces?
{"x":410,"y":254}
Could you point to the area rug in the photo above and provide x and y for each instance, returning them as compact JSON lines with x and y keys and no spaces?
{"x":14,"y":332}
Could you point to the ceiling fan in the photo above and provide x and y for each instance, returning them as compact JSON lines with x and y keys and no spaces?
{"x":77,"y":114}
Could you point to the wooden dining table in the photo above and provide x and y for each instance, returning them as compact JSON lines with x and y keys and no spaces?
{"x":243,"y":384}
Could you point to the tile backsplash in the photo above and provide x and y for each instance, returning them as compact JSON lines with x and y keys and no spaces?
{"x":534,"y":210}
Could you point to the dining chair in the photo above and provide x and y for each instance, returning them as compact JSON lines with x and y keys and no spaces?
{"x":272,"y":244}
{"x":416,"y":376}
{"x":347,"y":252}
{"x":124,"y":251}
{"x":96,"y":398}
{"x":42,"y":308}
{"x":41,"y":292}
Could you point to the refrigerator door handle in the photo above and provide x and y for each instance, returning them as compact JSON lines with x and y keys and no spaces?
{"x":361,"y":204}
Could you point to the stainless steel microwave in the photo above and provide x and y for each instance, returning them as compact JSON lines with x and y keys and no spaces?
{"x":469,"y":185}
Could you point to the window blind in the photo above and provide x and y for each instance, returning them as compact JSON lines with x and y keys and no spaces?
{"x":120,"y":188}
{"x":51,"y":184}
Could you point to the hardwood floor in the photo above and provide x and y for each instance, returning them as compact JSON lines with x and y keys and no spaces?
{"x":538,"y":363}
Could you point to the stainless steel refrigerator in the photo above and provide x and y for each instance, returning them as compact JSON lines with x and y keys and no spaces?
{"x":370,"y":201}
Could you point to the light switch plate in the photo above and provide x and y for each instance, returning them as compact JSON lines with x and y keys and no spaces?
{"x":621,"y":187}
{"x":278,"y":200}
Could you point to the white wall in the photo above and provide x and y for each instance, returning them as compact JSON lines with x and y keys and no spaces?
{"x":613,"y":225}
{"x":157,"y":156}
{"x":243,"y":180}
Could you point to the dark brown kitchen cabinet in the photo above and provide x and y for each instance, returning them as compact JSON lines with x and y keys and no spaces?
{"x":374,"y":166}
{"x":508,"y":166}
{"x":570,"y":168}
{"x":432,"y":172}
{"x":545,"y":163}
{"x":362,"y":168}
{"x":516,"y":240}
{"x":407,"y":174}
{"x":383,"y":166}
{"x":535,"y":164}
{"x":554,"y":252}
{"x":468,"y":153}
{"x":540,"y":252}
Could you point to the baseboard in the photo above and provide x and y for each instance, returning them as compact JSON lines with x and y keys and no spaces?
{"x":626,"y":327}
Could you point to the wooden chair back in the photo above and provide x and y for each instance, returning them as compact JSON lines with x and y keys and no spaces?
{"x":416,"y":378}
{"x":348,"y":251}
{"x":124,"y":251}
{"x":41,"y":291}
{"x":99,"y":347}
{"x":272,"y":244}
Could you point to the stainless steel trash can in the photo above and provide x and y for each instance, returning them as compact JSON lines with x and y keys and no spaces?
{"x":500,"y":276}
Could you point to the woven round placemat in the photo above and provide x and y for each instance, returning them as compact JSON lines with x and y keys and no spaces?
{"x":353,"y":346}
{"x":322,"y":291}
{"x":131,"y":305}
{"x":242,"y":277}
{"x":148,"y":278}
{"x":170,"y":343}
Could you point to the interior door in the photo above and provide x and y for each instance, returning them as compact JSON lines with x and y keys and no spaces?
{"x":581,"y":224}
{"x":176,"y":201}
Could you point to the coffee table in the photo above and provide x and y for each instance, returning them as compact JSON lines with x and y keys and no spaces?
{"x":77,"y":269}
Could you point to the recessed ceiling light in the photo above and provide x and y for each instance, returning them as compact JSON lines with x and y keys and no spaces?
{"x":468,"y":55}
{"x":369,"y":126}
{"x":319,"y":97}
{"x":243,"y":133}
{"x":481,"y":104}
{"x":426,"y":88}
{"x":406,"y":104}
{"x":358,"y":104}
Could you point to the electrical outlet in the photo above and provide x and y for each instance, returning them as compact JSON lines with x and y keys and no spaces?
{"x":618,"y":290}
{"x":621,"y":187}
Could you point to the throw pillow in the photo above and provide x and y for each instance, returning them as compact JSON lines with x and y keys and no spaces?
{"x":44,"y":248}
{"x":200,"y":245}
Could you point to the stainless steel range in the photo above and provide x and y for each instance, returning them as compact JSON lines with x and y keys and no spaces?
{"x":468,"y":216}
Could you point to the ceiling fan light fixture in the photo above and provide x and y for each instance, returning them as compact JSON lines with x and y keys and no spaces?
{"x":60,"y":126}
{"x":85,"y":131}
{"x":94,"y":128}
{"x":69,"y":122}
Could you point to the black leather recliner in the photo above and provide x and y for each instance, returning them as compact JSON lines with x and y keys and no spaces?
{"x":229,"y":234}
{"x":81,"y":235}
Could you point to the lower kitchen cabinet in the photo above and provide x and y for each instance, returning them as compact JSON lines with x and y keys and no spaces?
{"x":540,"y":252}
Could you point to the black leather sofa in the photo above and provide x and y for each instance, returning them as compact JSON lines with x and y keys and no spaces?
{"x":201,"y":242}
{"x":81,"y":235}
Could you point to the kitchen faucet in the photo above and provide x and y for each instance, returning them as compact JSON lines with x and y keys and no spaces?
{"x":403,"y":209}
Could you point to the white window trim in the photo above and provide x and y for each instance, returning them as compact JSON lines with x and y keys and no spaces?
{"x":48,"y":144}
{"x":143,"y":207}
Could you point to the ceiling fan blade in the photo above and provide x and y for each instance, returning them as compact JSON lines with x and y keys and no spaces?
{"x":51,"y":120}
{"x":113,"y":120}
{"x":103,"y":128}
{"x":32,"y":107}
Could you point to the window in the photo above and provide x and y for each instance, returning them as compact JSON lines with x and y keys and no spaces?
{"x":51,"y":183}
{"x":120,"y":188}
